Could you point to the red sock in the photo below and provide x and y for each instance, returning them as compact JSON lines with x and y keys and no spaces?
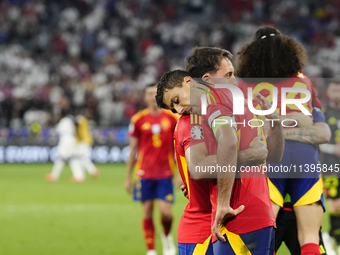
{"x":149,"y":233}
{"x":166,"y":222}
{"x":310,"y":249}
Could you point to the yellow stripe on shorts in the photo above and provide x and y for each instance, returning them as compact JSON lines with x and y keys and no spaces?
{"x":235,"y":242}
{"x":201,"y":248}
{"x":275,"y":195}
{"x":313,"y":195}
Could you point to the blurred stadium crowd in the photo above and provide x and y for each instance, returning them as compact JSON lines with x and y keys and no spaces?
{"x":95,"y":56}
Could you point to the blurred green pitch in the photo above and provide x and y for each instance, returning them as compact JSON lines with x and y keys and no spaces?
{"x":94,"y":217}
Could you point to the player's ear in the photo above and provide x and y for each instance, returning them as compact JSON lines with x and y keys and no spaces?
{"x":187,"y":80}
{"x":206,"y":76}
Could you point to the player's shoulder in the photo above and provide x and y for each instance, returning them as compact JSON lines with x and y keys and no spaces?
{"x":139,"y":115}
{"x":67,"y":119}
{"x":183,"y":121}
{"x":81,"y":119}
{"x":302,"y":75}
{"x":242,"y":83}
{"x":305,"y":79}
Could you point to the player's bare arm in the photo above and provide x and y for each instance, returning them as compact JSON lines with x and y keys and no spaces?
{"x":255,"y":154}
{"x":131,"y":163}
{"x":332,"y":149}
{"x":301,"y":119}
{"x":318,"y":133}
{"x":306,"y":131}
{"x":275,"y":140}
{"x":226,"y":155}
{"x":197,"y":155}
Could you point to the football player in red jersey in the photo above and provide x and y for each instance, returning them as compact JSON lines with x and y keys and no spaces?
{"x":281,"y":59}
{"x":194,"y":230}
{"x":151,"y":132}
{"x":174,"y":92}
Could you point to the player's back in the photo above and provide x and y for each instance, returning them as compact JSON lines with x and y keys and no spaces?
{"x":66,"y":127}
{"x":155,"y":148}
{"x":67,"y":141}
{"x":83,"y":132}
{"x":265,"y":88}
{"x":250,"y":188}
{"x":194,"y":226}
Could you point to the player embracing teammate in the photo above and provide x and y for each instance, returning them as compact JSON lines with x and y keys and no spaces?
{"x":273,"y":60}
{"x":242,"y":205}
{"x":236,"y":228}
{"x":238,"y":205}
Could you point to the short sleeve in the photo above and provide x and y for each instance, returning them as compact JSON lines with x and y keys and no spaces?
{"x":134,"y":128}
{"x":215,"y":111}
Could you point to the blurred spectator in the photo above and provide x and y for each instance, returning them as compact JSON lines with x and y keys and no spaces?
{"x":97,"y":56}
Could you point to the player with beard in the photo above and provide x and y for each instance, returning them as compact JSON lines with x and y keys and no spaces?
{"x":247,"y":194}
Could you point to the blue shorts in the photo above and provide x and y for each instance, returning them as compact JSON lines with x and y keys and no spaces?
{"x":303,"y":187}
{"x":149,"y":189}
{"x":259,"y":242}
{"x":205,"y":248}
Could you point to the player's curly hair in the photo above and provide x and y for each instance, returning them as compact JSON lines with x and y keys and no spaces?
{"x":205,"y":60}
{"x":168,"y":81}
{"x":270,"y":55}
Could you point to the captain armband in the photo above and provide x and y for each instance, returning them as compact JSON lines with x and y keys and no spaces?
{"x":221,"y":121}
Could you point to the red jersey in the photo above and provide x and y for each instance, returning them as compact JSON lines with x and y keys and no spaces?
{"x":251,"y":192}
{"x":155,"y":148}
{"x":194,"y":226}
{"x":266,"y":89}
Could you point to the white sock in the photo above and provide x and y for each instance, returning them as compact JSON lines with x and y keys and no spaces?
{"x":89,"y":166}
{"x":58,"y":167}
{"x":77,"y":171}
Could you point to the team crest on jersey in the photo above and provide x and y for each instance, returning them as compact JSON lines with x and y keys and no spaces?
{"x":197,"y":132}
{"x":146,"y":126}
{"x":156,"y":129}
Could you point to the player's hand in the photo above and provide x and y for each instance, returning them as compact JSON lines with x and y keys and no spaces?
{"x":223,"y":213}
{"x":184,"y":190}
{"x":257,"y":150}
{"x":128,"y":185}
{"x":265,"y":105}
{"x":302,"y":120}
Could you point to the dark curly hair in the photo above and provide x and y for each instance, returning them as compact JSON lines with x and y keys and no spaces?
{"x":271,"y":55}
{"x":205,"y":60}
{"x":169,"y":81}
